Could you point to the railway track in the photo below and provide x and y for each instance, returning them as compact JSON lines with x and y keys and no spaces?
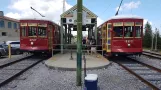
{"x":148,"y":74}
{"x":152,"y":54}
{"x":11,"y":70}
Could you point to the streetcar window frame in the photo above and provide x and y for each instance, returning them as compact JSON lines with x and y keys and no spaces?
{"x":140,"y":30}
{"x":42,"y":30}
{"x":129,"y":31}
{"x":119,"y":35}
{"x":23,"y":31}
{"x":33,"y":31}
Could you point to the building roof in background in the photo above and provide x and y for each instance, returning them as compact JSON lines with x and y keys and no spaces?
{"x":8,"y":18}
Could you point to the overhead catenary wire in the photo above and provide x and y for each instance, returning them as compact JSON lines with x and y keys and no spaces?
{"x":106,"y":9}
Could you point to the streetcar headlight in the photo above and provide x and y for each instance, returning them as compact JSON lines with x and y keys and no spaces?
{"x":32,"y":43}
{"x":128,"y":45}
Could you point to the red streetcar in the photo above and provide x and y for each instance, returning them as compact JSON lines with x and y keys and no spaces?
{"x":39,"y":36}
{"x":122,"y":35}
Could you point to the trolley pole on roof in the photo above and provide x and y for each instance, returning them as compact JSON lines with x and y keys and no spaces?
{"x":79,"y":42}
{"x":37,"y":12}
{"x":118,"y":8}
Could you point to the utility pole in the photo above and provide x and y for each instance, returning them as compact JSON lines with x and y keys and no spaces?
{"x":79,"y":42}
{"x":37,"y":12}
{"x":156,"y":32}
{"x":152,"y":42}
{"x":63,"y":6}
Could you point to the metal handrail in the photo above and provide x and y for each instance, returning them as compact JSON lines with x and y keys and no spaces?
{"x":75,"y":45}
{"x":74,"y":50}
{"x":68,"y":47}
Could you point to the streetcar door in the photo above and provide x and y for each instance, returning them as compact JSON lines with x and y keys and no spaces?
{"x":104,"y":37}
{"x":50,"y":37}
{"x":108,"y":44}
{"x":54,"y":36}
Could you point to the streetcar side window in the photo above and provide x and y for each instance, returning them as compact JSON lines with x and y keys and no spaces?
{"x":23,"y":30}
{"x":118,"y":31}
{"x":138,"y":31}
{"x":32,"y":31}
{"x":128,"y":31}
{"x":42,"y":31}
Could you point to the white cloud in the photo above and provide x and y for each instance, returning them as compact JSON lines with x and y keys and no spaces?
{"x":146,"y":20}
{"x":13,"y":15}
{"x":51,"y":9}
{"x":99,"y":21}
{"x":129,"y":6}
{"x":152,"y":25}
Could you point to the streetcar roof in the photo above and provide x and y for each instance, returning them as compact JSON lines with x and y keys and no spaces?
{"x":45,"y":19}
{"x":125,"y":17}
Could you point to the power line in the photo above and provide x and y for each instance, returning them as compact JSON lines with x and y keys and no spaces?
{"x":106,"y":9}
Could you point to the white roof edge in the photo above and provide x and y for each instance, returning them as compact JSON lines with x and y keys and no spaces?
{"x":125,"y":16}
{"x":38,"y":19}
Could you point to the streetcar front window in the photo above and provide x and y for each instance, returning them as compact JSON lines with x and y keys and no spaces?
{"x":32,"y":31}
{"x":118,"y":31}
{"x":23,"y":31}
{"x":128,"y":31}
{"x":138,"y":31}
{"x":42,"y":31}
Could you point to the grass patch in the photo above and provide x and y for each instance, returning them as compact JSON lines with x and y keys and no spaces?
{"x":144,"y":48}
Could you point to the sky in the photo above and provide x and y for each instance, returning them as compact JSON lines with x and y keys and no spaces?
{"x":104,"y":9}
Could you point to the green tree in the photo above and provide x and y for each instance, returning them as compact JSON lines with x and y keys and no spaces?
{"x":147,"y":39}
{"x":158,"y":40}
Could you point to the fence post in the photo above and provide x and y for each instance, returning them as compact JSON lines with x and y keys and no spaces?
{"x":84,"y":64}
{"x":9,"y":51}
{"x":71,"y":58}
{"x":52,"y":52}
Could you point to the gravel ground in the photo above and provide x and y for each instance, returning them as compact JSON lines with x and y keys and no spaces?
{"x":42,"y":78}
{"x":5,"y":60}
{"x":154,"y":62}
{"x":151,"y":61}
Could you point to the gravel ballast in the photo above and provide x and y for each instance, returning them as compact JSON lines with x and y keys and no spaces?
{"x":42,"y":78}
{"x":149,"y":60}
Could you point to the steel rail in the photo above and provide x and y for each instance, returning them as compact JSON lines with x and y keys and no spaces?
{"x":147,"y":65}
{"x":139,"y":76}
{"x":7,"y":80}
{"x":14,"y":61}
{"x":154,"y":55}
{"x":142,"y":79}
